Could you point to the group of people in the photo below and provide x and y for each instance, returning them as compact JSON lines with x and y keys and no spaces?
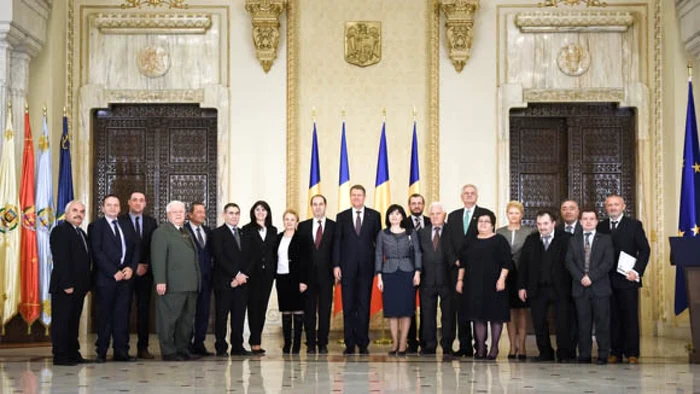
{"x":480,"y":276}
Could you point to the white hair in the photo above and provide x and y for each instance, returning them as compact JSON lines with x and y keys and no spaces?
{"x":71,"y":202}
{"x":472,"y":186}
{"x":172,"y":205}
{"x":436,"y":204}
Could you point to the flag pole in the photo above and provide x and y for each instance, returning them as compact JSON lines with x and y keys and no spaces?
{"x":384,"y":340}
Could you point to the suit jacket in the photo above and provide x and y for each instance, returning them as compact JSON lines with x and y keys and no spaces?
{"x":456,"y":236}
{"x":229,"y":259}
{"x":319,"y":262}
{"x":143,"y":244}
{"x":174,"y":259}
{"x":106,"y":250}
{"x":298,"y":270}
{"x":577,"y":228}
{"x":203,"y":253}
{"x":261,"y":253}
{"x":397,"y":253}
{"x":532,"y":257}
{"x":602,"y":256}
{"x":628,"y":237}
{"x":408,"y":223}
{"x":353,"y":253}
{"x":436,"y":269}
{"x":71,"y":259}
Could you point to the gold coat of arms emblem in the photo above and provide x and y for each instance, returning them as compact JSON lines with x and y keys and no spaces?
{"x":363,"y":43}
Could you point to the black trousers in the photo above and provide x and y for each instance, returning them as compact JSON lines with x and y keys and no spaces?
{"x":318,"y":301}
{"x":539,"y":307}
{"x":590,"y":309}
{"x":357,"y":293}
{"x":624,"y":322}
{"x":65,"y":322}
{"x":415,"y":330}
{"x":259,"y":288}
{"x":143,"y":288}
{"x":201,"y":315}
{"x":230,"y":311}
{"x":113,"y":302}
{"x":428,"y":312}
{"x":464,"y":327}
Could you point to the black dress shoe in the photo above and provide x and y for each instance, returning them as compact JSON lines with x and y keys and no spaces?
{"x":412,"y":349}
{"x":123,"y":358}
{"x":512,"y":357}
{"x":189,"y":356}
{"x":100,"y":359}
{"x":201,"y":350}
{"x":322,"y":350}
{"x":311,"y":350}
{"x":241,"y":352}
{"x":258,"y":352}
{"x":172,"y":357}
{"x":364,"y":351}
{"x":544,"y":359}
{"x":602,"y":361}
{"x":81,"y":360}
{"x":584,"y":360}
{"x":221,"y":354}
{"x":522,"y":357}
{"x":479,"y":357}
{"x":392,"y":352}
{"x":145,"y":354}
{"x":427,"y":352}
{"x":464,"y":353}
{"x":349,"y":350}
{"x":67,"y":363}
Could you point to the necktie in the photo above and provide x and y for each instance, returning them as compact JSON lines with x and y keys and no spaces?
{"x":545,"y":241}
{"x":237,"y":237}
{"x":200,"y":239}
{"x":116,"y":230}
{"x":569,"y":229}
{"x":137,"y":227}
{"x":319,"y":235}
{"x":587,"y":252}
{"x":436,"y":238}
{"x":467,"y":218}
{"x":614,"y":225}
{"x":117,"y":236}
{"x":82,"y":238}
{"x":417,"y":225}
{"x":358,"y":223}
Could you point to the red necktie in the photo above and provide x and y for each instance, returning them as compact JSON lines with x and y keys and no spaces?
{"x":319,"y":235}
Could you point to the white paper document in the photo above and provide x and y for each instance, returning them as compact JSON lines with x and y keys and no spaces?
{"x":625,"y":264}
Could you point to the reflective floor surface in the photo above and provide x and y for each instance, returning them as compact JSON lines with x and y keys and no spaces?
{"x":663,"y":368}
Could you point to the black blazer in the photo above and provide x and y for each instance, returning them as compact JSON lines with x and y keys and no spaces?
{"x":628,"y":237}
{"x":106,"y":251}
{"x":531,"y":260}
{"x":143,"y":244}
{"x":353,"y":253}
{"x":298,"y":268}
{"x":436,"y":270}
{"x":577,"y":228}
{"x":318,"y":262}
{"x":602,"y":256}
{"x":455,"y":237}
{"x":71,"y":261}
{"x":203,"y":254}
{"x":409,"y":224}
{"x":229,"y":259}
{"x":261,"y":253}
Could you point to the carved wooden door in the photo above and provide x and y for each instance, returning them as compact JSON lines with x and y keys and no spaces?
{"x":578,"y":151}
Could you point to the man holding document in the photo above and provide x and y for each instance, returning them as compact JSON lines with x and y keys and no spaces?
{"x":631,"y":258}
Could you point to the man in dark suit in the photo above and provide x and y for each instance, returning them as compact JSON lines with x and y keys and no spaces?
{"x":115,"y":256}
{"x":316,"y":236}
{"x":589,"y":259}
{"x":177,"y":278}
{"x":140,"y":227}
{"x":201,"y":235}
{"x":230,"y":277}
{"x":417,"y":221}
{"x":570,"y":213}
{"x":627,"y":236}
{"x":435,"y":284}
{"x":544,"y":280}
{"x":70,"y":281}
{"x":462,"y":226}
{"x":353,"y":266}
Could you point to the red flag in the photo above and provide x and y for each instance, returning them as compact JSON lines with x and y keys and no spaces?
{"x":30,"y":306}
{"x":337,"y":300}
{"x":376,"y":304}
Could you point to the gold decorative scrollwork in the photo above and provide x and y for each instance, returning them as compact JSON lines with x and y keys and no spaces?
{"x":142,"y":23}
{"x":363,"y":43}
{"x":575,"y":21}
{"x":459,"y":29}
{"x":573,"y":95}
{"x":154,"y":3}
{"x":571,"y":3}
{"x":266,"y":29}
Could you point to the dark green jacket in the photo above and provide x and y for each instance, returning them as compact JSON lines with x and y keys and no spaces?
{"x":174,"y":259}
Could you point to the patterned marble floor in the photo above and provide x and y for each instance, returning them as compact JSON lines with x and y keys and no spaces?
{"x":664,"y":368}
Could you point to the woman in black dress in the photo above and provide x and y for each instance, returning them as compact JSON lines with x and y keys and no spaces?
{"x":260,"y":238}
{"x":398,"y":266}
{"x":290,"y":282}
{"x":485,"y":264}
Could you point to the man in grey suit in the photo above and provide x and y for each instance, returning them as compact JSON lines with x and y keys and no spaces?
{"x":176,"y":275}
{"x":435,"y":283}
{"x":589,"y":259}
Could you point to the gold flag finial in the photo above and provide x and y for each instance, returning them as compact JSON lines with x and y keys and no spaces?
{"x":313,"y":113}
{"x":342,"y":114}
{"x":64,"y":111}
{"x":26,"y":107}
{"x":9,"y":105}
{"x":43,"y":109}
{"x":690,"y":70}
{"x":414,"y":113}
{"x":384,"y":114}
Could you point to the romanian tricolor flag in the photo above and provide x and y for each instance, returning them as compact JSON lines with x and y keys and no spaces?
{"x":315,"y":174}
{"x":65,"y":174}
{"x":382,"y":200}
{"x":30,"y":306}
{"x":343,"y":204}
{"x":414,"y":177}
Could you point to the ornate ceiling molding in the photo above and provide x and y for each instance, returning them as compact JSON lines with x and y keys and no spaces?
{"x":266,"y":28}
{"x":571,"y":3}
{"x":459,"y":29}
{"x":573,"y":95}
{"x":155,"y":3}
{"x":123,"y":23}
{"x":577,"y":21}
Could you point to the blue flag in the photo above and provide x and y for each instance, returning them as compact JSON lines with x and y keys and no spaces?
{"x":65,"y":174}
{"x":414,"y":177}
{"x":689,"y":216}
{"x":344,"y":175}
{"x":315,"y":173}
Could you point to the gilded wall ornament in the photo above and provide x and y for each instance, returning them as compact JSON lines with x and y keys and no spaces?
{"x":571,"y":3}
{"x":154,"y":3}
{"x":573,"y":60}
{"x":459,"y":29}
{"x":153,"y":61}
{"x":363,"y":43}
{"x":266,"y":29}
